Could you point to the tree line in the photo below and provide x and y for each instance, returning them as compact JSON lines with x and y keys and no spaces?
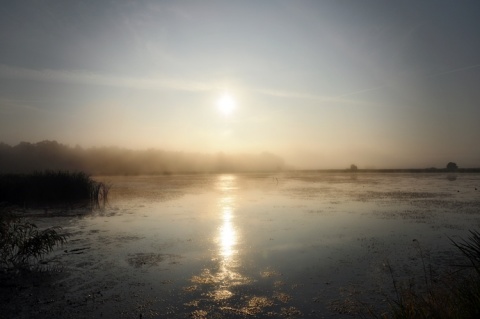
{"x":27,"y":157}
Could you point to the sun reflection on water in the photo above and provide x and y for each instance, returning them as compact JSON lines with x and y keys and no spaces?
{"x":227,"y":234}
{"x":224,"y":274}
{"x":227,"y":238}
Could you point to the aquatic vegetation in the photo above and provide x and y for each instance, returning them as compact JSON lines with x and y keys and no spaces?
{"x":50,"y":188}
{"x":455,"y":294}
{"x":471,"y":249}
{"x":22,"y":244}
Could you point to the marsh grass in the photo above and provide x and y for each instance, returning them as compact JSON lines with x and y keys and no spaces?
{"x":470,"y":248}
{"x":99,"y":194}
{"x":51,"y":188}
{"x":453,"y":294}
{"x":22,"y":244}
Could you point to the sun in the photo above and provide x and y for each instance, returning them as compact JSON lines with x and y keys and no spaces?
{"x":226,"y":104}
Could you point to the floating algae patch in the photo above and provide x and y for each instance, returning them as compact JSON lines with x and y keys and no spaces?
{"x":399,"y":195}
{"x":269,"y":273}
{"x":290,"y":312}
{"x":145,"y":259}
{"x":193,"y":303}
{"x":199,"y":314}
{"x":220,"y":294}
{"x":205,"y":278}
{"x":260,"y":302}
{"x":209,"y":278}
{"x":256,"y":305}
{"x":283,"y":297}
{"x":309,"y":192}
{"x":127,"y":238}
{"x":190,"y":288}
{"x":415,"y":215}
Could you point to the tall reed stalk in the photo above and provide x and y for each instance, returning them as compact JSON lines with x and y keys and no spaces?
{"x":50,"y":188}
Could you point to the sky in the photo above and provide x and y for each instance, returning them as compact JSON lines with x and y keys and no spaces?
{"x":323,"y":84}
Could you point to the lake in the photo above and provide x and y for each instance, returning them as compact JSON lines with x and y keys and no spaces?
{"x":291,"y":244}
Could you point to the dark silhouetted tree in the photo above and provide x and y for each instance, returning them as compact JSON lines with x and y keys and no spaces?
{"x":451,"y":166}
{"x":353,"y":167}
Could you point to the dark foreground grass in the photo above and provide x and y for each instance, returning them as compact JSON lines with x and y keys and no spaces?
{"x":22,"y":244}
{"x":455,"y":294}
{"x":50,"y":188}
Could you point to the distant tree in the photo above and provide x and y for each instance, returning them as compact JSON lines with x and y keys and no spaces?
{"x":353,"y":167}
{"x":451,"y":166}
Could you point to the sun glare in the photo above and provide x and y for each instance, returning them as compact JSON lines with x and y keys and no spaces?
{"x":226,"y":104}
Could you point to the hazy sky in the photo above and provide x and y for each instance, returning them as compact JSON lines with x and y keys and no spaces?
{"x":323,"y":84}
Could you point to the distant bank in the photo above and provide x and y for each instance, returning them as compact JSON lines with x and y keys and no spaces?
{"x":397,"y":170}
{"x":50,"y":155}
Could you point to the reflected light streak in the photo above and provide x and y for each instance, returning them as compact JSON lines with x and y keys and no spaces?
{"x":227,"y":239}
{"x":226,"y":183}
{"x":227,"y":235}
{"x":226,"y":203}
{"x":226,"y":275}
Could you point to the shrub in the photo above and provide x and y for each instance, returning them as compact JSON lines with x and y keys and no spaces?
{"x":451,"y":166}
{"x":22,"y":244}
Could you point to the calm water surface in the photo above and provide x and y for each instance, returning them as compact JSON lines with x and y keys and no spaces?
{"x":257,"y":245}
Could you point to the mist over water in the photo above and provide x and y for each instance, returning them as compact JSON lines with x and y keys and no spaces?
{"x":27,"y":157}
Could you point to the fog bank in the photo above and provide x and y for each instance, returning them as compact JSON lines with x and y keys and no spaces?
{"x":50,"y":155}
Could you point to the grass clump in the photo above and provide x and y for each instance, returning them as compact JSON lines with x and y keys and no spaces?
{"x":50,"y":188}
{"x":22,"y":244}
{"x":455,"y":294}
{"x":470,"y":248}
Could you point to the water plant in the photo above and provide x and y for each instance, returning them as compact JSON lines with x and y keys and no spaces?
{"x":50,"y":188}
{"x":454,"y":294}
{"x":22,"y":244}
{"x":470,"y":248}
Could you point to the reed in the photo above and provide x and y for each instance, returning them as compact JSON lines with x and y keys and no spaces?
{"x":455,"y":294}
{"x":50,"y":188}
{"x":470,"y":248}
